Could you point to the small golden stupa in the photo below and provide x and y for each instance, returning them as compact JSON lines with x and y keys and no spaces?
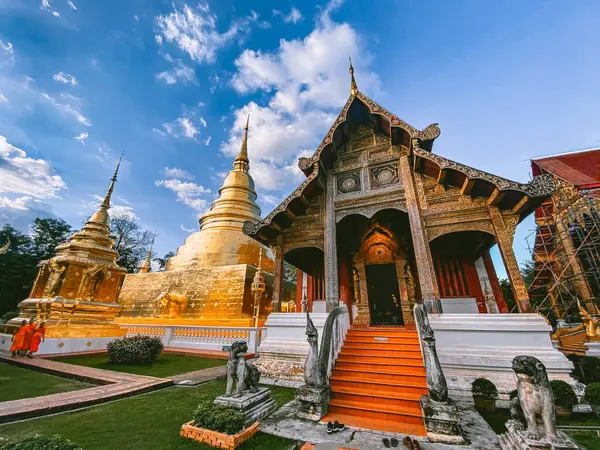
{"x":208,"y":281}
{"x":76,"y":291}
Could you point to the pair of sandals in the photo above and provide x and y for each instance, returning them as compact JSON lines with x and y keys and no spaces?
{"x":411,"y":444}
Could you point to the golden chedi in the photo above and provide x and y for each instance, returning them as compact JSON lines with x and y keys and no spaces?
{"x":208,"y":281}
{"x":76,"y":291}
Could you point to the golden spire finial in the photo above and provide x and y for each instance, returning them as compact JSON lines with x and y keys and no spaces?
{"x":260,"y":258}
{"x":146,"y":266}
{"x":101,"y":215}
{"x":113,"y":180}
{"x":243,"y":155}
{"x":353,"y":85}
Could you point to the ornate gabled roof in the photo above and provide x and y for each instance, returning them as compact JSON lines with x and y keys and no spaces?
{"x":392,"y":125}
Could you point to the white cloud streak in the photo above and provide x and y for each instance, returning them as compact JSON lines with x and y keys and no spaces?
{"x":294,"y":16}
{"x":188,"y":193}
{"x":82,"y":137}
{"x":68,"y":108}
{"x":174,"y":172}
{"x":65,"y":78}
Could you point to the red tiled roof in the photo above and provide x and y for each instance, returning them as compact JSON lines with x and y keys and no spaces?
{"x":579,"y":168}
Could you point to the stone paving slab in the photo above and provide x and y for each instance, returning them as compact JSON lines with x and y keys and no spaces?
{"x":112,"y":386}
{"x":201,"y":376}
{"x":283,"y":423}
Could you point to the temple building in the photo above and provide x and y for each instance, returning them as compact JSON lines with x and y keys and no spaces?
{"x":380,"y":223}
{"x":75,"y":292}
{"x":565,"y":285}
{"x":208,"y":281}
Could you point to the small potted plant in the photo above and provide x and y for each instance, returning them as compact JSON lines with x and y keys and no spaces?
{"x":592,"y":396}
{"x":218,"y":426}
{"x":564,"y":398}
{"x":485,"y":394}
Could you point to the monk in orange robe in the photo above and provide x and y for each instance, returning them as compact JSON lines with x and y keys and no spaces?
{"x":38,"y":336}
{"x":18,"y":339}
{"x":28,"y":336}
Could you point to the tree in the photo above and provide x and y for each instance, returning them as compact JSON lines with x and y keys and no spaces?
{"x":46,"y":234}
{"x":129,"y":240}
{"x":18,"y":268}
{"x":508,"y":295}
{"x":290,"y":273}
{"x":528,"y":272}
{"x":162,"y":262}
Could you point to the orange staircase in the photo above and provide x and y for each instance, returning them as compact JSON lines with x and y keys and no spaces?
{"x":378,"y":380}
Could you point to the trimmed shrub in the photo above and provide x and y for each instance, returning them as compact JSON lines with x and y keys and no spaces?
{"x":39,"y":442}
{"x":134,"y":350}
{"x":219,"y":418}
{"x":587,"y":368}
{"x":592,"y":394}
{"x":564,"y":395}
{"x":484,"y":388}
{"x":9,"y":315}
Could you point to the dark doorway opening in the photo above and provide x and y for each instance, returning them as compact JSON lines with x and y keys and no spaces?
{"x":384,"y":296}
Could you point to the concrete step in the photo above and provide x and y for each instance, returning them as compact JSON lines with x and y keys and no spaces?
{"x":387,"y":354}
{"x":382,"y":339}
{"x":359,"y":409}
{"x":356,"y":366}
{"x":410,"y":402}
{"x":369,"y":423}
{"x":405,"y":379}
{"x":382,"y":346}
{"x":376,"y":386}
{"x":412,"y":360}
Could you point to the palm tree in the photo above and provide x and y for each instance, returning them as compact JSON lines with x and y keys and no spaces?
{"x":162,"y":262}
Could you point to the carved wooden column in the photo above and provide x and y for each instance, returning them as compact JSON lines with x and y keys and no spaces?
{"x":332,"y":291}
{"x":363,"y":315}
{"x":278,"y":272}
{"x":407,"y":313}
{"x":345,"y":289}
{"x":427,"y":280}
{"x":299,"y":279}
{"x":505,"y":241}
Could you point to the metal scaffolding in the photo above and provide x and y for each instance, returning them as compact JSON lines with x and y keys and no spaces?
{"x":566,"y":256}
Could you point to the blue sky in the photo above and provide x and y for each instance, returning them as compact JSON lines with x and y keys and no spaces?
{"x":170,"y":85}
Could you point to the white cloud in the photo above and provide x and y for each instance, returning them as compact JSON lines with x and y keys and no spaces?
{"x":202,"y":121}
{"x":158,"y":38}
{"x":72,"y":5}
{"x":174,"y":172}
{"x":3,"y":98}
{"x":68,"y":108}
{"x":207,"y":140}
{"x":136,"y":18}
{"x":188,"y":193}
{"x":82,"y":137}
{"x":8,"y":47}
{"x":294,"y":16}
{"x":187,"y":230}
{"x":194,"y":31}
{"x":65,"y":78}
{"x":179,"y":71}
{"x":46,"y":6}
{"x":19,"y":203}
{"x":185,"y":126}
{"x":26,"y":177}
{"x":306,"y":81}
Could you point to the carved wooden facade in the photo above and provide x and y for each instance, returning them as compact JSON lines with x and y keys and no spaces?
{"x":371,"y":162}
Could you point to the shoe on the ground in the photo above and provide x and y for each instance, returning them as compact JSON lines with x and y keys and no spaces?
{"x":416,"y":445}
{"x":386,"y":442}
{"x":29,"y":355}
{"x":394,"y":442}
{"x":329,"y":427}
{"x":338,"y":426}
{"x":407,"y":441}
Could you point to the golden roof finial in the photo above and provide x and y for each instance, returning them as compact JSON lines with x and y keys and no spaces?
{"x":353,"y":85}
{"x":101,"y":215}
{"x":148,"y":261}
{"x":243,"y":155}
{"x":260,"y":258}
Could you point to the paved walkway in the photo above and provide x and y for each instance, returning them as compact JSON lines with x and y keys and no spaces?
{"x":201,"y":376}
{"x":113,"y":385}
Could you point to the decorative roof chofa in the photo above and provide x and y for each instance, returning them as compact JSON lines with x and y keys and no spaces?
{"x":429,"y":133}
{"x":540,"y":186}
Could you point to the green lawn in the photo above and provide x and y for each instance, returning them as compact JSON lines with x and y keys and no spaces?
{"x":587,"y":439}
{"x":165,"y":366}
{"x":151,"y":421}
{"x":17,"y":383}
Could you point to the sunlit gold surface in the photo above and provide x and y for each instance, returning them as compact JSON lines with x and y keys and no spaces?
{"x":75,"y":292}
{"x":209,"y":281}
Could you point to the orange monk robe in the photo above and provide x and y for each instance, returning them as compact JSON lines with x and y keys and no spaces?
{"x":36,"y":339}
{"x":28,"y":336}
{"x":19,"y":339}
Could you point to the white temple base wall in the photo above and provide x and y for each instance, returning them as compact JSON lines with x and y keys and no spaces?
{"x":594,"y":349}
{"x":459,"y":305}
{"x":483,"y":345}
{"x":58,"y":346}
{"x":283,"y":352}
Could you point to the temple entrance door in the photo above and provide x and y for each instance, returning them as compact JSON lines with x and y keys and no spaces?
{"x":384,"y":295}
